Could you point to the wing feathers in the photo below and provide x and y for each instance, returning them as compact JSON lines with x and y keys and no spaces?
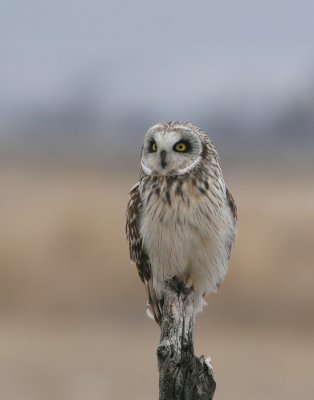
{"x":137,"y":251}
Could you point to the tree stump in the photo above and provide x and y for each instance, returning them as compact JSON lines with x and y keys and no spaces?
{"x":182,"y":375}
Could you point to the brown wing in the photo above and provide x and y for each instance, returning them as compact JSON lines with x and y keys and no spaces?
{"x":137,"y":251}
{"x":232,"y":204}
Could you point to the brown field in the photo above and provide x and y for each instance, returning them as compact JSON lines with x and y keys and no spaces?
{"x":73,"y":321}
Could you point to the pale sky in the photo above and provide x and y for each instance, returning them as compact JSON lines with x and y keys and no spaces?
{"x":167,"y":55}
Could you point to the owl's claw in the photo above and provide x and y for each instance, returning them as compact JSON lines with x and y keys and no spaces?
{"x":189,"y":281}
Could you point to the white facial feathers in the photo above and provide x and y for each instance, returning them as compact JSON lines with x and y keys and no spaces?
{"x":161,"y":154}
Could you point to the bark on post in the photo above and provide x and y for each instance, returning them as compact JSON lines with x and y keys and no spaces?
{"x":182,"y":375}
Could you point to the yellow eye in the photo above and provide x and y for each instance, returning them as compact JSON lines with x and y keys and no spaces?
{"x":153,"y":146}
{"x":181,"y":147}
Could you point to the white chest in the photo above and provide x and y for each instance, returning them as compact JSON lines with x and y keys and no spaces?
{"x":185,"y":236}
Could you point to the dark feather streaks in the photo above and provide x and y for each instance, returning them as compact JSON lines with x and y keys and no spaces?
{"x":232,"y":204}
{"x":137,"y":253}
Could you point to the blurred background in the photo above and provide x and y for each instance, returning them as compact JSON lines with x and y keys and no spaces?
{"x":81,"y":82}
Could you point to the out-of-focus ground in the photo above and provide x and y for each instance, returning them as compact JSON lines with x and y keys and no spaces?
{"x":73,"y":320}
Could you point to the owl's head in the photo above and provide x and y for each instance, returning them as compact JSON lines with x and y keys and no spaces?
{"x":172,"y":148}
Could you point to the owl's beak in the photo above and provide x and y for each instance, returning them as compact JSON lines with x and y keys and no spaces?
{"x":163,"y":155}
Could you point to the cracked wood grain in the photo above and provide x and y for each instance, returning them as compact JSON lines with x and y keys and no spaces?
{"x":182,"y":375}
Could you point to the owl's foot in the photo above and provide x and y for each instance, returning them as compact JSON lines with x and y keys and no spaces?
{"x":188,"y":281}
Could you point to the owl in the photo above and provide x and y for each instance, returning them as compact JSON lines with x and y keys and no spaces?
{"x":181,"y":217}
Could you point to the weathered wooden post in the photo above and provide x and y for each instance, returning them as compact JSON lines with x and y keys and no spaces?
{"x":182,"y":375}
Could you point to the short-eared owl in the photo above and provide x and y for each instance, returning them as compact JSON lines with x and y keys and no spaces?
{"x":181,"y":218}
